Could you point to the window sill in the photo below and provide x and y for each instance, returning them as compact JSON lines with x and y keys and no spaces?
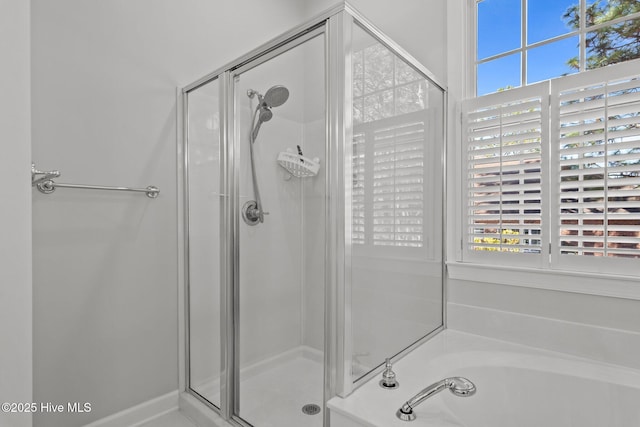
{"x":608,"y":285}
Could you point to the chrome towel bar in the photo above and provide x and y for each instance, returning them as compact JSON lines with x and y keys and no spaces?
{"x":48,"y":187}
{"x":43,"y":182}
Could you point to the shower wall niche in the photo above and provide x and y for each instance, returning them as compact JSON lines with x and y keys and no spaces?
{"x":339,"y":269}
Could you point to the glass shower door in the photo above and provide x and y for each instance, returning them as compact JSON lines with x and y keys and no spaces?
{"x":279,"y":118}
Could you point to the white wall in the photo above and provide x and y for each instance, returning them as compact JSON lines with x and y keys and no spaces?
{"x":596,"y":327}
{"x":15,"y":215}
{"x":105,"y":264}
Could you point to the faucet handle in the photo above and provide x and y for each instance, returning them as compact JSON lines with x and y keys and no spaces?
{"x":388,"y":380}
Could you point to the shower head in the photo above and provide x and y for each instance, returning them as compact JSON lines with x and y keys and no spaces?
{"x":275,"y":96}
{"x":265,"y":114}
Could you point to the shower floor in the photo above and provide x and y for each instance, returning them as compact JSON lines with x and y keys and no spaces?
{"x":275,"y":397}
{"x":272,"y":393}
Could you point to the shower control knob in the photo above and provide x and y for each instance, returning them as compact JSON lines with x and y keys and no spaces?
{"x":251,"y":214}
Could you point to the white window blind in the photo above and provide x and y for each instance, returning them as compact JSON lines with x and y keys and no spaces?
{"x":388,"y":186}
{"x":358,"y":231}
{"x":556,"y":164}
{"x":398,"y":184}
{"x":598,"y":161}
{"x":504,"y":153}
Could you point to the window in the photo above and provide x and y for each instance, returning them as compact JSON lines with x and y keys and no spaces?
{"x":556,"y":165}
{"x":521,"y":42}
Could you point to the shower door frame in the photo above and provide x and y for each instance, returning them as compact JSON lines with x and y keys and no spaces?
{"x":230,"y":216}
{"x":335,"y":26}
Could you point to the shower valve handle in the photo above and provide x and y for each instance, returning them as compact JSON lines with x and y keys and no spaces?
{"x":252,"y":214}
{"x":262,"y":214}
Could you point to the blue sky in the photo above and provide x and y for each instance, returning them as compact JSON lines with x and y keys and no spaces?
{"x":499,"y":31}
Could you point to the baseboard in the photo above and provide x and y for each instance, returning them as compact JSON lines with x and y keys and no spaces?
{"x":141,"y":413}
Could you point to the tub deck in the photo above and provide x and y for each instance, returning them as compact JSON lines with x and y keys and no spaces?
{"x":517,"y":386}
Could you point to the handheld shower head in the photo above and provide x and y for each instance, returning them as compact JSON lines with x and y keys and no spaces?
{"x":265,"y":114}
{"x":460,"y":386}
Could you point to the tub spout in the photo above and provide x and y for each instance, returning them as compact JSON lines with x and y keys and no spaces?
{"x":457,"y":385}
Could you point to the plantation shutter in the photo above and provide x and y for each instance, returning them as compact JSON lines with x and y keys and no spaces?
{"x":504,"y":161}
{"x":398,"y":184}
{"x":562,"y":155}
{"x":388,"y":188}
{"x":597,"y":132}
{"x":358,"y":231}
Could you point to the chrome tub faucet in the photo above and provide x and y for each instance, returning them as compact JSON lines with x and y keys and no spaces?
{"x":457,"y":385}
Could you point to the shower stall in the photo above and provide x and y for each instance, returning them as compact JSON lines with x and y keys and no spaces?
{"x":312,"y":187}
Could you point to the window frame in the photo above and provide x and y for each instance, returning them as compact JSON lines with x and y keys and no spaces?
{"x":524,"y":48}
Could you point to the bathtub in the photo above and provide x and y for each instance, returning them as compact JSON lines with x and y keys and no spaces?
{"x":517,"y":386}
